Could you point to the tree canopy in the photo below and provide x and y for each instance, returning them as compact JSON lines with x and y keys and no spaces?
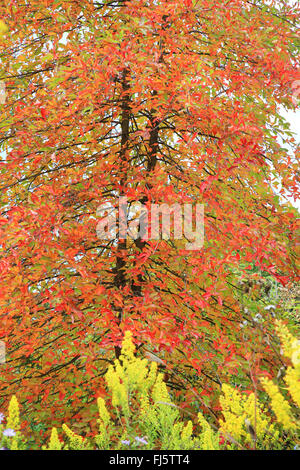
{"x":160,"y":102}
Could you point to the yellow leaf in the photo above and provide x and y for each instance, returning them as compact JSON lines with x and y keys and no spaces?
{"x":3,"y":28}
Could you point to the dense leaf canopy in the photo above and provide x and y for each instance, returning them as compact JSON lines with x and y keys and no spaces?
{"x":162,"y":102}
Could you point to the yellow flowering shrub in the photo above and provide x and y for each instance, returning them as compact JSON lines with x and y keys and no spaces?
{"x":10,"y":435}
{"x":146,"y":417}
{"x":141,"y":415}
{"x":245,"y":421}
{"x":54,"y":443}
{"x":209,"y":440}
{"x":248,"y":422}
{"x":285,"y":412}
{"x":291,"y":349}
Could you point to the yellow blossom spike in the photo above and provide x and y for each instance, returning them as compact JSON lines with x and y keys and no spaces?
{"x":13,"y":420}
{"x":54,"y":443}
{"x":279,"y":405}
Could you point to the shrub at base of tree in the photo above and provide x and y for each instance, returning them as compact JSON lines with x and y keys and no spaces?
{"x":144,"y":417}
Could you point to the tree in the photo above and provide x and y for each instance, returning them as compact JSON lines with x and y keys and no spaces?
{"x":160,"y":102}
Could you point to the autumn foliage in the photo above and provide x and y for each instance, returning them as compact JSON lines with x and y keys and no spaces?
{"x":161,"y":102}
